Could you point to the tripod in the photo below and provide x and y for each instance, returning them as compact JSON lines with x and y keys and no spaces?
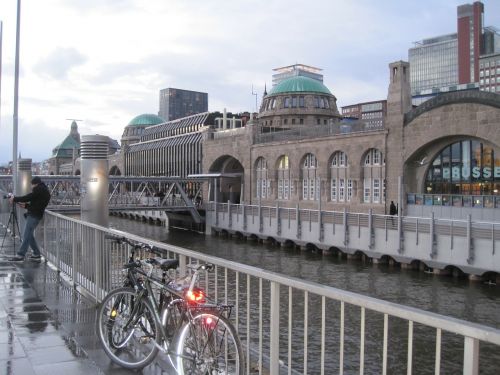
{"x":14,"y":223}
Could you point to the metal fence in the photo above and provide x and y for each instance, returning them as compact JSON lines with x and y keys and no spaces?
{"x":289,"y":325}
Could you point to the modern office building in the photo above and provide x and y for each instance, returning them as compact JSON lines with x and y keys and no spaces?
{"x":177,"y":103}
{"x":452,"y":62}
{"x":296,"y":70}
{"x":433,"y":63}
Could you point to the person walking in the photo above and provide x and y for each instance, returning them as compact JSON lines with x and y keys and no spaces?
{"x":392,"y":211}
{"x":35,"y":202}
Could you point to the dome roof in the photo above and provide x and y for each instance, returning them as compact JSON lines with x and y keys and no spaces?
{"x":146,"y":119}
{"x":300,"y":84}
{"x":66,"y":147}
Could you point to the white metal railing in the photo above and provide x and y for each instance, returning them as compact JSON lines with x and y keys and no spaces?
{"x":466,"y":244}
{"x":288,"y":325}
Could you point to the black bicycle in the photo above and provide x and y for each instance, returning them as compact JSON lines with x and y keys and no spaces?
{"x":168,"y":314}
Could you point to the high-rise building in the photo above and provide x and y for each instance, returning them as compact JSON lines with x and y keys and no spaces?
{"x":470,"y":32}
{"x":452,"y":62}
{"x":177,"y":103}
{"x":433,"y":63}
{"x":295,"y":71}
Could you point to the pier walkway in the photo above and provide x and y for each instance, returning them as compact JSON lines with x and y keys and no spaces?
{"x":46,"y":326}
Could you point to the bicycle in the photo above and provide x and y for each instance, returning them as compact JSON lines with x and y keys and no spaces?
{"x":197,"y":335}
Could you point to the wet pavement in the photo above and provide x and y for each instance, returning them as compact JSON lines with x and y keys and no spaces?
{"x":46,"y":326}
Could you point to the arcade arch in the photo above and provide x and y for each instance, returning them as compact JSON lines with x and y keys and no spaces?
{"x":229,"y":186}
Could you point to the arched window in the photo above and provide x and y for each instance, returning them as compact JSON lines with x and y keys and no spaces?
{"x":263,"y":186}
{"x":373,"y":157}
{"x":341,"y":187}
{"x":284,"y":186}
{"x":309,"y":175}
{"x":373,"y":177}
{"x":468,"y":167}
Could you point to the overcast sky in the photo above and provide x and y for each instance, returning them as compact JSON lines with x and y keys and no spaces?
{"x":104,"y":61}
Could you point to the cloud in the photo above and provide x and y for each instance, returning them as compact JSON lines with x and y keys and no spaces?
{"x":59,"y":62}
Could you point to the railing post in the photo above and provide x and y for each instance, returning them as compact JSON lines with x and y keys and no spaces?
{"x":471,"y":356}
{"x":274,"y":326}
{"x":229,"y":218}
{"x":98,"y":275}
{"x":182,"y":265}
{"x":278,"y":219}
{"x":432,"y":237}
{"x":244,"y":217}
{"x":470,"y":243}
{"x":370,"y":229}
{"x":57,"y":245}
{"x":297,"y":217}
{"x":74,"y":233}
{"x":346,"y":227}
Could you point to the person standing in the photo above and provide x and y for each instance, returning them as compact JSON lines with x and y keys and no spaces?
{"x":35,"y":202}
{"x":392,"y":210}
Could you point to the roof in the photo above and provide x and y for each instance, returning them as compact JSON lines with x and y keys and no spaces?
{"x":300,"y":84}
{"x":68,"y":145}
{"x":146,"y":119}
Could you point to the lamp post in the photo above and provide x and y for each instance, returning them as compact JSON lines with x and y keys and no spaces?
{"x":16,"y":99}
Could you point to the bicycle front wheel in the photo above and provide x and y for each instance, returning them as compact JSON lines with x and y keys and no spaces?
{"x":127,"y":329}
{"x":209,"y":344}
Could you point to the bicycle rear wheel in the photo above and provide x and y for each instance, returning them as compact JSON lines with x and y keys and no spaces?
{"x":127,"y":329}
{"x":209,"y":344}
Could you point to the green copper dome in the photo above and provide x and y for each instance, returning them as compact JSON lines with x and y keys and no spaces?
{"x":300,"y":84}
{"x":146,"y":120}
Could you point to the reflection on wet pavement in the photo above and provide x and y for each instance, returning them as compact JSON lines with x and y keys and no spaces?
{"x":47,"y":327}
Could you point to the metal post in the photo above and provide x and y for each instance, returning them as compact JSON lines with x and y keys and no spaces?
{"x":471,"y":356}
{"x":16,"y":101}
{"x":94,"y":179}
{"x":274,"y":326}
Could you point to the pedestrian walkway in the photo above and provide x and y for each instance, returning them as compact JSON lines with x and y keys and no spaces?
{"x":46,"y":326}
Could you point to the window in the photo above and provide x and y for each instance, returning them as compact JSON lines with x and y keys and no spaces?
{"x":339,"y":159}
{"x":301,"y":102}
{"x":301,"y":121}
{"x":318,"y":121}
{"x":293,"y":121}
{"x":263,"y":183}
{"x":309,"y":167}
{"x":367,"y":190}
{"x":376,"y":190}
{"x":333,"y":189}
{"x":287,"y":102}
{"x":294,"y":101}
{"x":373,"y":157}
{"x":285,"y":121}
{"x":349,"y":190}
{"x":341,"y":189}
{"x":316,"y":102}
{"x":283,"y":178}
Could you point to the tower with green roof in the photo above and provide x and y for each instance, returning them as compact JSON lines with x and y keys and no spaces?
{"x":298,"y":101}
{"x":135,"y":128}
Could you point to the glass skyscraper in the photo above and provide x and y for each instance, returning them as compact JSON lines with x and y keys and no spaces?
{"x":177,"y":103}
{"x":433,"y":63}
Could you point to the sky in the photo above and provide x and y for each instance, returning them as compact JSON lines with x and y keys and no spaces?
{"x":104,"y":61}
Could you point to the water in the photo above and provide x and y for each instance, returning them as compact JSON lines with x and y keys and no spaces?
{"x":471,"y":301}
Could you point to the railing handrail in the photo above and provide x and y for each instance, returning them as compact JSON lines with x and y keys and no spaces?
{"x":454,"y":325}
{"x":405,"y":218}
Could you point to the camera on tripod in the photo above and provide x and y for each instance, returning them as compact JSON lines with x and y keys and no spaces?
{"x":10,"y":195}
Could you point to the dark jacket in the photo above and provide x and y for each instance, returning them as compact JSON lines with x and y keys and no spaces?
{"x":36,"y":201}
{"x":393,"y":209}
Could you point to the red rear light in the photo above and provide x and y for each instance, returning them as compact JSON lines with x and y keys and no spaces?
{"x":195,"y":296}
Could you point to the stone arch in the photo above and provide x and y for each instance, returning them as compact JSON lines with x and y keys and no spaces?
{"x":230,"y":183}
{"x":418,"y":164}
